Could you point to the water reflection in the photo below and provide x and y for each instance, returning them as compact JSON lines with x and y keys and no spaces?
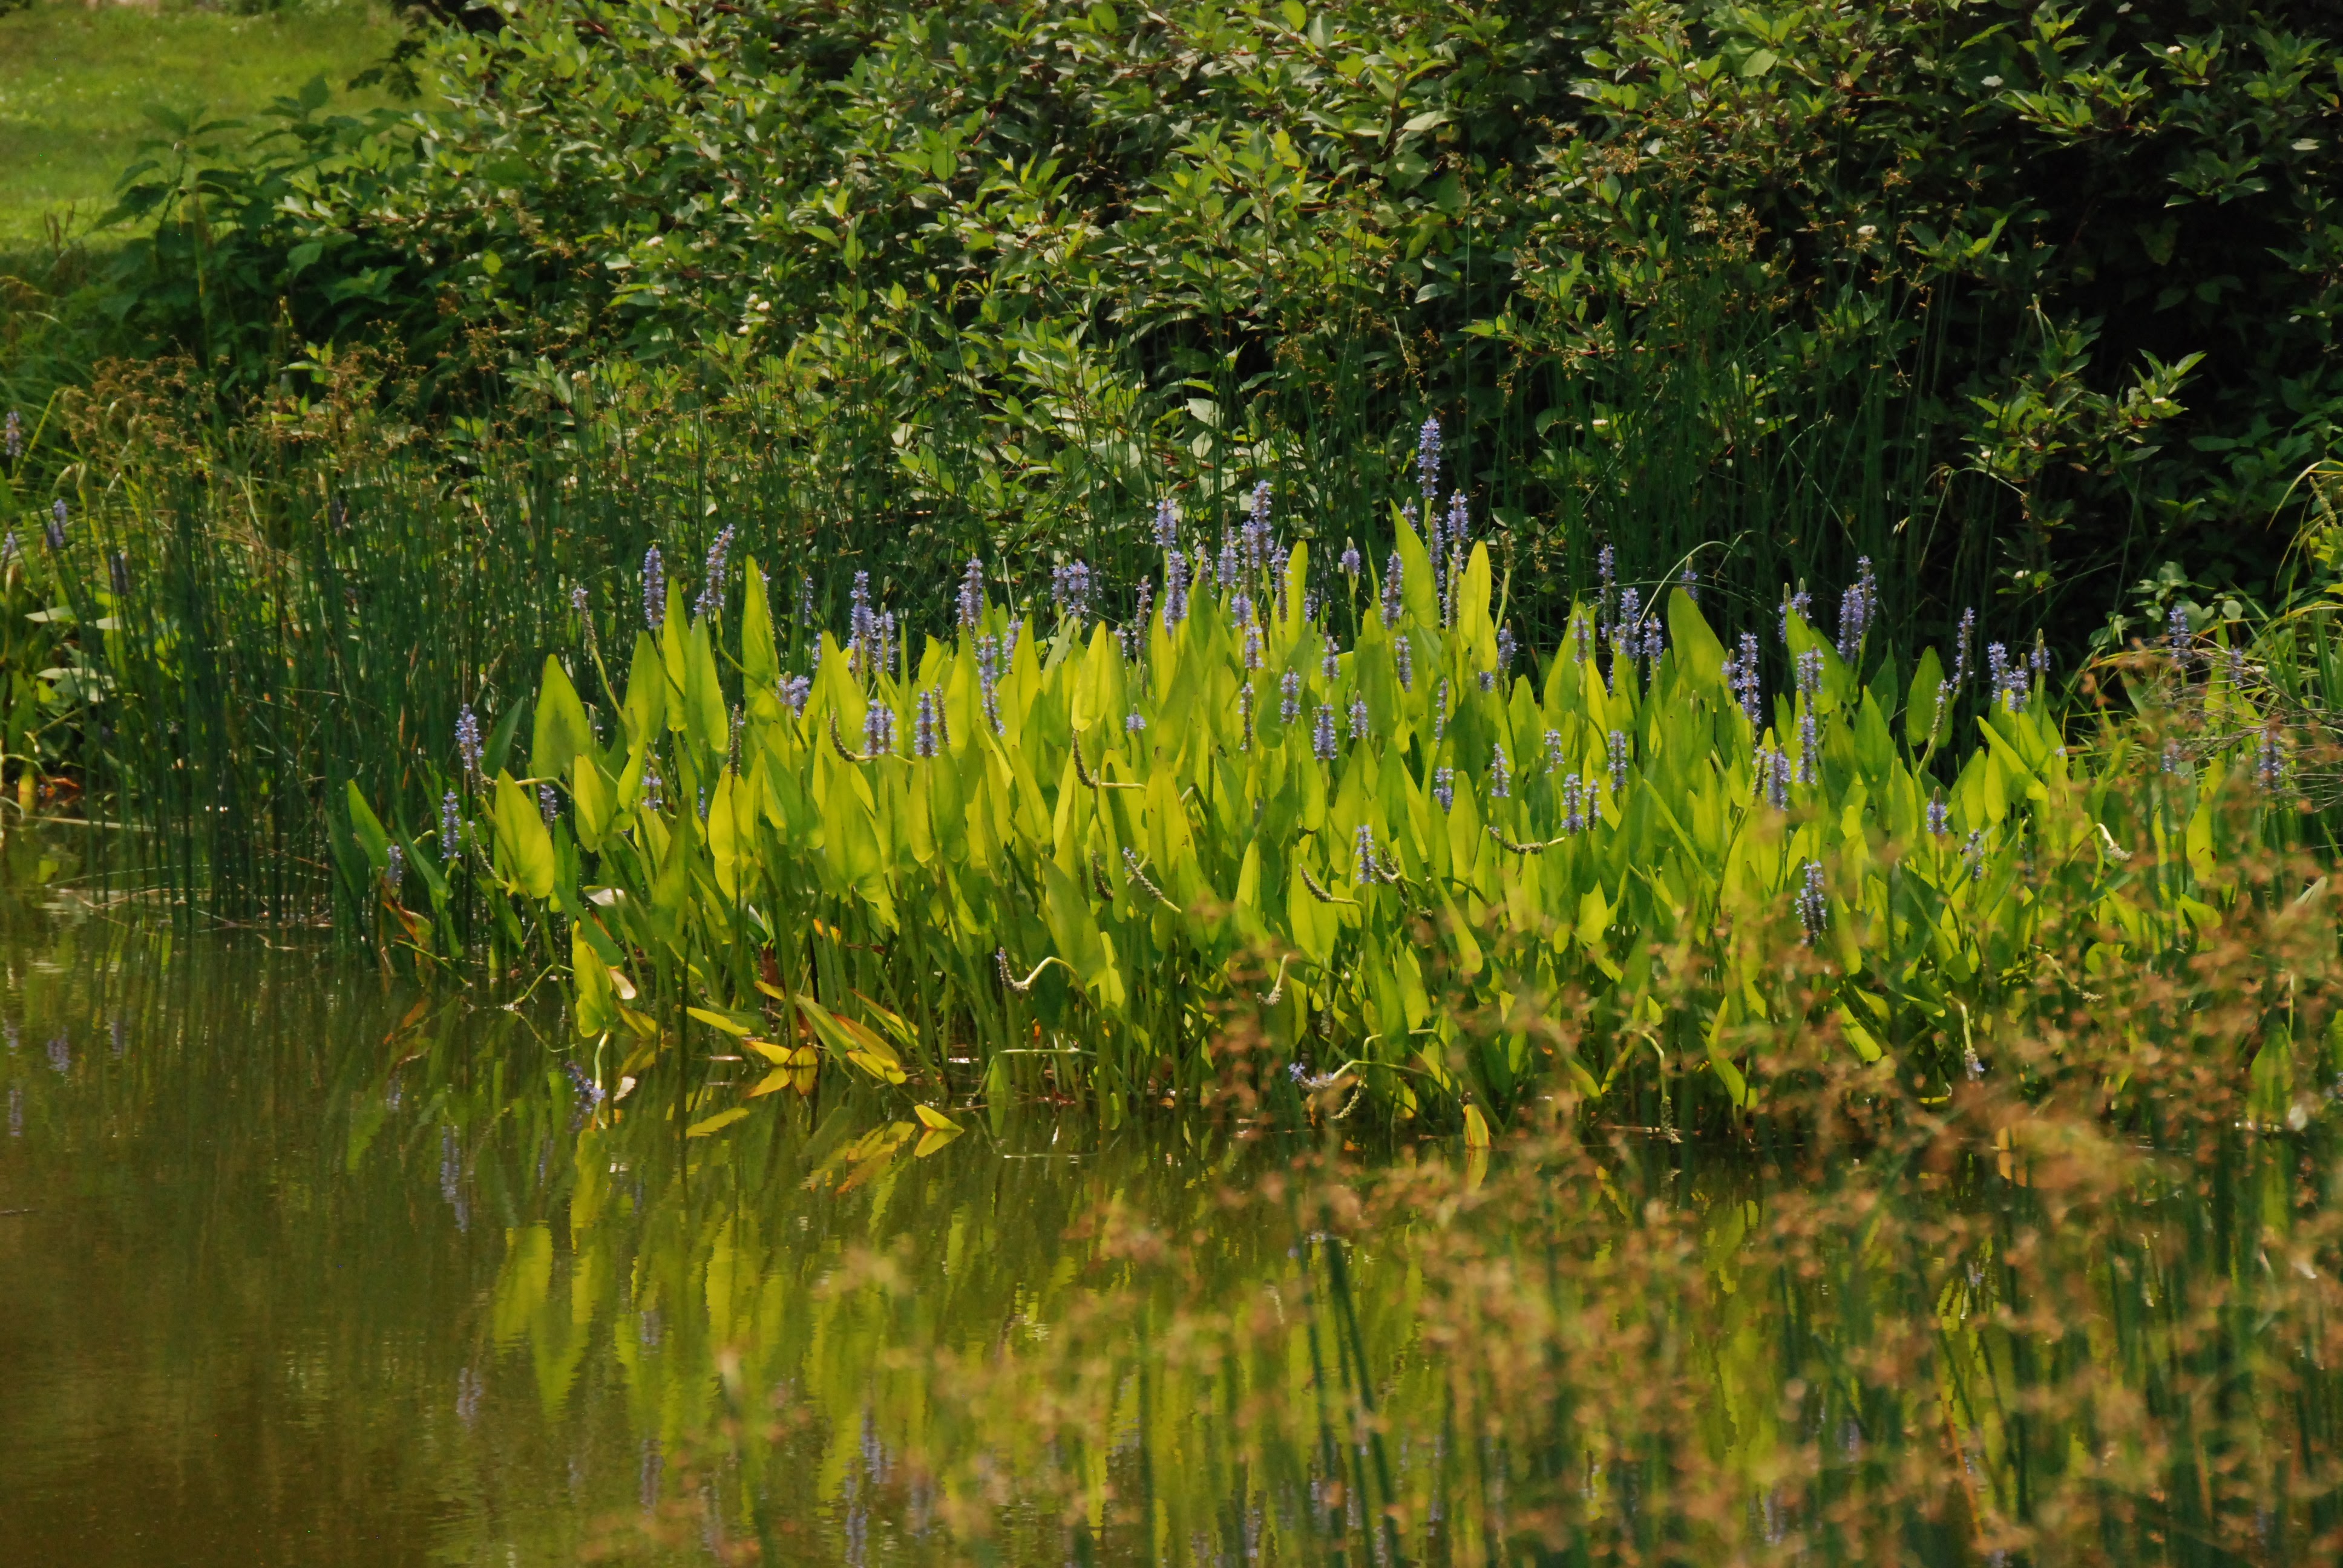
{"x":297,"y":1266}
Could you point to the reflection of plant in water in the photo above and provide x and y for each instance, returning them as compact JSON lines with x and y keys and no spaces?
{"x":2072,"y":1303}
{"x":1994,"y":1328}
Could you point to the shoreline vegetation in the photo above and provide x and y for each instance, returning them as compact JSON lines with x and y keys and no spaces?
{"x":1656,"y":741}
{"x":1432,"y":867}
{"x":381,"y":426}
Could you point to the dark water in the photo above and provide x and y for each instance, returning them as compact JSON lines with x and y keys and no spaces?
{"x":297,"y":1267}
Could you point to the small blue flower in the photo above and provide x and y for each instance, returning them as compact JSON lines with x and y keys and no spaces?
{"x":711,"y":588}
{"x":1857,"y":609}
{"x":1814,"y":902}
{"x":1175,"y":589}
{"x":927,"y":724}
{"x":654,"y":589}
{"x":972,"y":594}
{"x":878,"y":729}
{"x":1800,"y":604}
{"x":467,"y":739}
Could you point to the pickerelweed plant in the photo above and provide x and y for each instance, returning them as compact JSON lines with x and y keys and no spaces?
{"x":1053,"y":860}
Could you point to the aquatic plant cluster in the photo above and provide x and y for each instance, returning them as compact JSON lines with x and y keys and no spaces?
{"x":1054,"y":858}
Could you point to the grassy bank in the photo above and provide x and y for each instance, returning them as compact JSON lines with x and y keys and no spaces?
{"x":79,"y":84}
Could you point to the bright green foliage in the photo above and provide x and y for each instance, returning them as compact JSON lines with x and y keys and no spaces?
{"x":1087,"y":848}
{"x":78,"y":81}
{"x":1807,"y":277}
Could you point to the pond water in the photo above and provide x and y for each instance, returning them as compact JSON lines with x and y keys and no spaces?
{"x":297,"y":1266}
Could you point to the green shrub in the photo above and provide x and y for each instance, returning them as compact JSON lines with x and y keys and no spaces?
{"x":2003,"y":297}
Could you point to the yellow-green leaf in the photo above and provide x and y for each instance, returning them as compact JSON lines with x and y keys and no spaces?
{"x":524,"y":848}
{"x":715,"y":1123}
{"x":560,"y":731}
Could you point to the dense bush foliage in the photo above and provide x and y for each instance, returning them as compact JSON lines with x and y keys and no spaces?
{"x":2024,"y":296}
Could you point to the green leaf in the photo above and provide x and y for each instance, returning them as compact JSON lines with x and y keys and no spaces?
{"x":760,"y":663}
{"x":715,"y":1123}
{"x":1698,"y":651}
{"x":561,"y":732}
{"x":1875,"y":747}
{"x":500,"y":741}
{"x":1418,"y":596}
{"x":595,"y":1008}
{"x":367,"y":830}
{"x":593,"y":798}
{"x":1923,"y":714}
{"x":646,"y":706}
{"x":524,"y":849}
{"x":705,"y":720}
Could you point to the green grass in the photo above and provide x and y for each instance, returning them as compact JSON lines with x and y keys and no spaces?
{"x":75,"y":85}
